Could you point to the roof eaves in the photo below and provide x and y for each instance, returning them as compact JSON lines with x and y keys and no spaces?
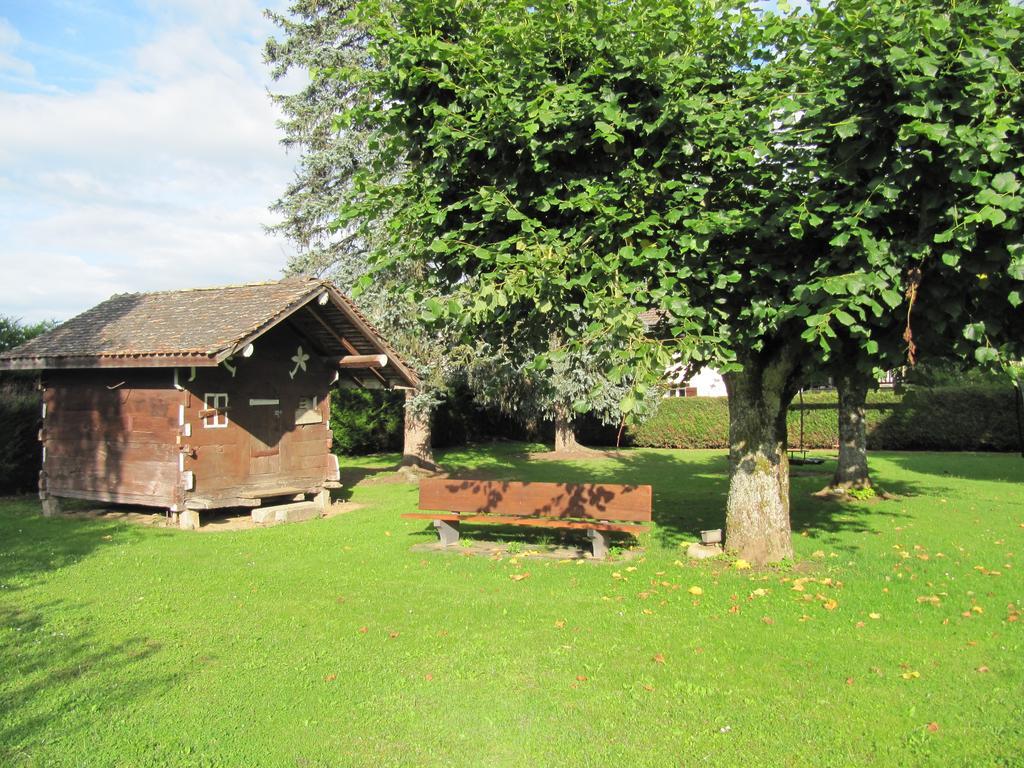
{"x":347,"y":305}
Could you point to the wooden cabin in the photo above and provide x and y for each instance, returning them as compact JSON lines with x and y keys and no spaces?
{"x":201,"y":399}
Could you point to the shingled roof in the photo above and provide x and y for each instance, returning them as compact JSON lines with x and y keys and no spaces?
{"x":652,"y":317}
{"x":203,"y":327}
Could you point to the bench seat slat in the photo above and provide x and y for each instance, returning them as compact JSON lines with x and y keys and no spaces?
{"x":535,"y":522}
{"x":630,"y":503}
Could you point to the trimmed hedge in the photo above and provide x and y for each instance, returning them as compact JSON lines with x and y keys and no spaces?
{"x":977,"y":418}
{"x":366,"y":421}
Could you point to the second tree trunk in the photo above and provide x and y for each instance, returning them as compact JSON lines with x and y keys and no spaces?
{"x":416,"y":449}
{"x":565,"y":430}
{"x":852,"y":467}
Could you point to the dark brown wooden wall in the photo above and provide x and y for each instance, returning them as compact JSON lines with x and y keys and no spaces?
{"x":110,"y":435}
{"x":262,"y":447}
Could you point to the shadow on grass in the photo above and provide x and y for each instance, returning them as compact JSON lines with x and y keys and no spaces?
{"x":689,"y":490}
{"x":32,"y":545}
{"x":51,"y":671}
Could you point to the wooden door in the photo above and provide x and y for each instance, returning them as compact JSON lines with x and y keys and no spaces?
{"x":266,"y":426}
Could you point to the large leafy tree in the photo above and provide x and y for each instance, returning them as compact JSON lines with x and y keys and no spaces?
{"x":317,"y":39}
{"x":912,"y":110}
{"x":780,"y":187}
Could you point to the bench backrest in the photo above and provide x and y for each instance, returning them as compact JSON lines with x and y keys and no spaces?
{"x":547,"y":500}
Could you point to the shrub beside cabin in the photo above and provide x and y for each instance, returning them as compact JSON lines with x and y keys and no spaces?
{"x":201,"y":399}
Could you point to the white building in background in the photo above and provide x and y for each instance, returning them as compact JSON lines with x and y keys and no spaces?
{"x":707,"y":382}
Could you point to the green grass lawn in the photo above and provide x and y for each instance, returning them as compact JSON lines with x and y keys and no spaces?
{"x":892,"y":641}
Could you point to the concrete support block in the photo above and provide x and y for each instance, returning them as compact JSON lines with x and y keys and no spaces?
{"x":51,"y":506}
{"x":188,"y":520}
{"x":286,"y":513}
{"x":599,"y":541}
{"x":323,"y":500}
{"x":263,"y":515}
{"x":297,"y":512}
{"x":447,"y":532}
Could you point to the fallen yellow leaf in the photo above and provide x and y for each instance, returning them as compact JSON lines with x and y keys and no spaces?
{"x":695,"y":591}
{"x":874,"y":615}
{"x":519,"y":576}
{"x":911,"y":675}
{"x":831,"y":604}
{"x":741,"y":565}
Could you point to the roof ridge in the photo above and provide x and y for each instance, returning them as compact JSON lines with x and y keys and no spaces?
{"x":291,"y":278}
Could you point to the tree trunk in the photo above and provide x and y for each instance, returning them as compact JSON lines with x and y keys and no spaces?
{"x":852,"y":469}
{"x":416,"y":451}
{"x":565,"y":430}
{"x":757,"y":511}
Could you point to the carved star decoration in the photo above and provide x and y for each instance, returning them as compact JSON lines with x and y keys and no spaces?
{"x":299,"y":358}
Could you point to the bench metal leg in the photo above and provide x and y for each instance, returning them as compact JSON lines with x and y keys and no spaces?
{"x":599,"y":541}
{"x":448,"y":532}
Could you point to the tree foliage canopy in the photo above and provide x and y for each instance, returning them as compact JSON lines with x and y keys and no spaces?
{"x":809,"y":179}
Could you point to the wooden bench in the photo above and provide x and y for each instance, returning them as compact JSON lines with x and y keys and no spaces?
{"x":597,"y":509}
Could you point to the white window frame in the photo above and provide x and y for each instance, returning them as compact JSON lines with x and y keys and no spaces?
{"x":217,"y":401}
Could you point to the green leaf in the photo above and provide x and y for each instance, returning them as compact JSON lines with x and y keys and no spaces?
{"x":986,"y":355}
{"x":892,"y":297}
{"x":974,"y":331}
{"x":847,"y":129}
{"x":1005,"y":183}
{"x":845,"y":318}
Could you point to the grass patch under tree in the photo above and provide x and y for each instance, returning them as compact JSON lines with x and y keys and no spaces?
{"x":331,"y":643}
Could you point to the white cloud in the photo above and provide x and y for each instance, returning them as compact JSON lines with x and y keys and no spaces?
{"x":158,"y":177}
{"x":10,"y":63}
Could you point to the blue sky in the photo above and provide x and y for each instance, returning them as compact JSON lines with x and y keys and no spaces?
{"x":138,"y":150}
